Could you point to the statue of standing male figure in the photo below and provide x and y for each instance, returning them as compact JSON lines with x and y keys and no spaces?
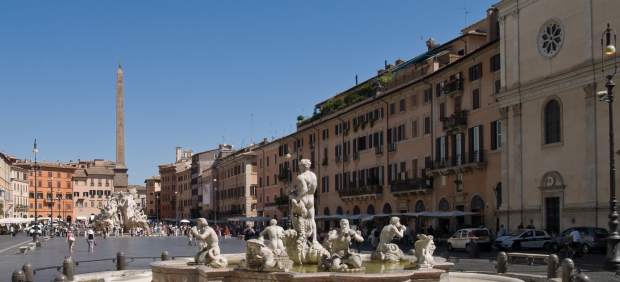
{"x":302,"y":202}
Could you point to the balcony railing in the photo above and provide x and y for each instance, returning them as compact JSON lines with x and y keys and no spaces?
{"x":456,"y":120}
{"x":411,"y":184}
{"x":356,"y":155}
{"x":364,"y":190}
{"x":453,"y":86}
{"x":379,"y":150}
{"x":459,"y":160}
{"x":391,"y":147}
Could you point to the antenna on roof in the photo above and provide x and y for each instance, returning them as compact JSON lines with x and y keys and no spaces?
{"x":355,"y":79}
{"x":384,"y":63}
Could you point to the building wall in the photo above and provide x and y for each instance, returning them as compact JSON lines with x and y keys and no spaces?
{"x":6,"y":191}
{"x":236,"y":184}
{"x":19,"y":184}
{"x":52,"y":180}
{"x":153,"y":190}
{"x":574,"y":171}
{"x":184,"y":193}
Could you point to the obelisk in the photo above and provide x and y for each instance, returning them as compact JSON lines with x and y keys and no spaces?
{"x":120,"y":170}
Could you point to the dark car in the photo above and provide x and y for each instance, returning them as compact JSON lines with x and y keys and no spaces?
{"x":593,"y":238}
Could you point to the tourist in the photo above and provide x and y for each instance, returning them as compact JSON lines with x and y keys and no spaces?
{"x":248,"y":233}
{"x":90,"y":237}
{"x":70,"y":240}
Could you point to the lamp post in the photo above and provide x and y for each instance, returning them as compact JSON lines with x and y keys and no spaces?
{"x":176,"y":206}
{"x":213,"y":200}
{"x":608,"y":49}
{"x":36,"y":195}
{"x":157,"y":206}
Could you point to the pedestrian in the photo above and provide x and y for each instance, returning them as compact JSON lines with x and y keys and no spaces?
{"x":70,"y":240}
{"x":90,"y":237}
{"x":248,"y":233}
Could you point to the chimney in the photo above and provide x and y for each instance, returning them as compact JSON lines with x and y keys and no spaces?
{"x":431,"y":44}
{"x":493,"y":28}
{"x":179,"y":154}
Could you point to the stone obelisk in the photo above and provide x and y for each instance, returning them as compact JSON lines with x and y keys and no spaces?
{"x":120,"y":170}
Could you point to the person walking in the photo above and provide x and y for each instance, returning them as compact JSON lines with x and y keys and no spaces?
{"x":70,"y":240}
{"x":90,"y":237}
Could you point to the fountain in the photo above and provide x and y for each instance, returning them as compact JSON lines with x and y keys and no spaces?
{"x":121,"y":212}
{"x":296,"y":253}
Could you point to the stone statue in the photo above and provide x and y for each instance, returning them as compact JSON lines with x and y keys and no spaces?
{"x":121,"y":212}
{"x":302,"y":204}
{"x":338,"y":243}
{"x":209,"y":253}
{"x":259,"y":257}
{"x":274,"y":234}
{"x":300,"y":243}
{"x":387,"y":251}
{"x":424,"y":249}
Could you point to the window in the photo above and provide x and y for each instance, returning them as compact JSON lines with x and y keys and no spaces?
{"x":325,"y":134}
{"x":497,"y":86}
{"x":475,"y":72}
{"x":475,"y":99}
{"x":402,"y":106}
{"x":496,"y":135}
{"x":442,"y":110}
{"x":414,"y":168}
{"x":427,"y":125}
{"x":495,"y":63}
{"x":392,"y":109}
{"x":428,"y":94}
{"x":552,"y":122}
{"x":414,"y":100}
{"x":414,"y":128}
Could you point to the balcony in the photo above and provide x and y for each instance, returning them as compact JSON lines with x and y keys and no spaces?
{"x":453,"y":87}
{"x":454,"y":122}
{"x":411,"y":186}
{"x":364,"y":192}
{"x":391,"y":147}
{"x":457,"y":164}
{"x":379,"y":150}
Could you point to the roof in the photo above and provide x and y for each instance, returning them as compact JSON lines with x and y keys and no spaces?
{"x":99,"y":171}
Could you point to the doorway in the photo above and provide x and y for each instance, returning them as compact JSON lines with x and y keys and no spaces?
{"x":552,"y":215}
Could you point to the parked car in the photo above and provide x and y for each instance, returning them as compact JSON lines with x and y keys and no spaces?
{"x":525,"y":239}
{"x":462,"y":238}
{"x":592,"y":238}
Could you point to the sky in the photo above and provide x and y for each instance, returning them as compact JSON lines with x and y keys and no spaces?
{"x":197,"y":73}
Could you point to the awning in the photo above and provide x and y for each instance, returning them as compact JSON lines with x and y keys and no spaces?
{"x":15,"y":220}
{"x":81,"y":218}
{"x":253,"y":218}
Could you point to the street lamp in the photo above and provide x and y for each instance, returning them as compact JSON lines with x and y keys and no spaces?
{"x":36,"y":206}
{"x":157,"y":206}
{"x":608,"y":49}
{"x":176,"y":205}
{"x":213,"y":200}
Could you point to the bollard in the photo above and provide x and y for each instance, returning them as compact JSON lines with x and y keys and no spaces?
{"x":502,"y":262}
{"x":165,"y":256}
{"x":28,"y":272}
{"x":60,"y":278}
{"x":568,"y":267}
{"x":552,"y":266}
{"x":581,"y":277}
{"x":18,"y":276}
{"x":120,"y":261}
{"x":68,"y":268}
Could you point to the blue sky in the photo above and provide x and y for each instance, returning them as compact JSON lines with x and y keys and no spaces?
{"x":197,"y":73}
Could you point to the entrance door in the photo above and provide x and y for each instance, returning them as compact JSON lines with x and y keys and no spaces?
{"x":552,"y":215}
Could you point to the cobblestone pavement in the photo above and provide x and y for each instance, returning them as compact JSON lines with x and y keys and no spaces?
{"x":54,"y":250}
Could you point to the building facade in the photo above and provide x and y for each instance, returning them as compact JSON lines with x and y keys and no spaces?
{"x":153,"y":194}
{"x":235,"y":191}
{"x":6,"y":190}
{"x":19,"y":184}
{"x":200,"y":162}
{"x":555,"y":164}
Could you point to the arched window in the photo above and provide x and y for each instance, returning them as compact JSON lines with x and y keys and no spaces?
{"x":370,"y":209}
{"x":552,"y":122}
{"x":356,"y":210}
{"x":419,"y":206}
{"x":444,"y":205}
{"x":477,"y":206}
{"x":387,"y":209}
{"x":339,"y":210}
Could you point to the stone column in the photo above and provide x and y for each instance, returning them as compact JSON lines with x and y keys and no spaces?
{"x":120,"y":118}
{"x":516,"y":174}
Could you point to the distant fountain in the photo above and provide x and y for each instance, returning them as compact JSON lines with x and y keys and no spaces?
{"x":122,"y":213}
